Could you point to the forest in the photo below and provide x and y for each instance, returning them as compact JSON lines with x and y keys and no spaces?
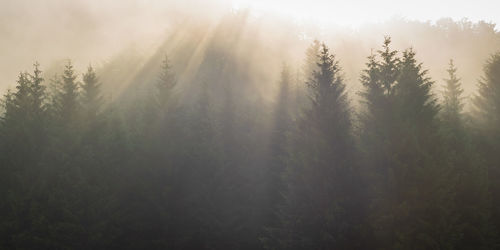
{"x":209,"y":145}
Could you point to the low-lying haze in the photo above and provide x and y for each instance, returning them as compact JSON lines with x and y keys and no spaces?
{"x":96,"y":31}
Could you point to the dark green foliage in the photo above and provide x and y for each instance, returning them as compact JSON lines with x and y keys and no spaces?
{"x":487,"y":102}
{"x":487,"y":114}
{"x":472,"y":199}
{"x":412,"y":185}
{"x":37,"y":92}
{"x":321,"y":209}
{"x":278,"y":152}
{"x":68,"y":105}
{"x":274,"y":185}
{"x":206,"y":161}
{"x":311,"y":59}
{"x":91,"y":97}
{"x":452,"y":104}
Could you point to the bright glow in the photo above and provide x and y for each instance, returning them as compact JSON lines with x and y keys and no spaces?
{"x":356,"y":12}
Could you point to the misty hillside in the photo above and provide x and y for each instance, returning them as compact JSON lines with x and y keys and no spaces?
{"x":201,"y":125}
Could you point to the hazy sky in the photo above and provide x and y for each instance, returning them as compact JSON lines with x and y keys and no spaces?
{"x":91,"y":31}
{"x":355,"y":12}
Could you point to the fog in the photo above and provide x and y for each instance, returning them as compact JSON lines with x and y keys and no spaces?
{"x":240,"y":124}
{"x":97,"y":31}
{"x":85,"y":31}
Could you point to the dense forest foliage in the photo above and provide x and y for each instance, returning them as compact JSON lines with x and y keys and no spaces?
{"x":209,"y":162}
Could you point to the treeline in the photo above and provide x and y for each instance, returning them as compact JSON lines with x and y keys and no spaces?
{"x":213,"y":165}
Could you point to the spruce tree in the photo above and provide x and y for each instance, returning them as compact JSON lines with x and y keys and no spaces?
{"x":311,"y":59}
{"x":487,"y":117}
{"x":279,"y":140}
{"x":321,"y":209}
{"x":16,"y":159}
{"x":452,"y":105}
{"x":91,"y":97}
{"x":38,"y":108}
{"x":412,"y":187}
{"x":16,"y":136}
{"x":24,"y":116}
{"x":487,"y":101}
{"x":18,"y":122}
{"x":37,"y":92}
{"x":68,"y":105}
{"x":166,"y":82}
{"x":378,"y":80}
{"x":472,"y":197}
{"x":273,"y":185}
{"x":22,"y":97}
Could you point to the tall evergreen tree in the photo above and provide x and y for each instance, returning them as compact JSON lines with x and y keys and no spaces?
{"x":18,"y":122}
{"x":378,"y":80}
{"x":412,"y":187}
{"x":472,"y":199}
{"x":273,"y":176}
{"x":68,"y":105}
{"x":166,"y":82}
{"x":16,"y":140}
{"x":37,"y":92}
{"x":311,"y":59}
{"x":16,"y":159}
{"x":321,"y":209}
{"x":487,"y":114}
{"x":22,"y":98}
{"x":25,"y":113}
{"x":452,"y":105}
{"x":306,"y":71}
{"x":487,"y":102}
{"x":38,"y":109}
{"x":91,"y":96}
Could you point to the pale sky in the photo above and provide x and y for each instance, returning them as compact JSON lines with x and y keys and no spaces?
{"x":89,"y":31}
{"x":356,"y":12}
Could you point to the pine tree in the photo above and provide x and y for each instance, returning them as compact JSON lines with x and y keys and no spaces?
{"x":487,"y":102}
{"x":307,"y":70}
{"x":18,"y":121}
{"x":311,"y":59}
{"x":91,"y":96}
{"x":487,"y":114}
{"x":37,"y":92}
{"x":154,"y":111}
{"x":7,"y":108}
{"x":472,"y":197}
{"x":65,"y":165}
{"x":24,"y":116}
{"x":16,"y":158}
{"x":279,"y":137}
{"x":7,"y":105}
{"x":38,"y":108}
{"x":68,"y":105}
{"x":412,"y":198}
{"x":414,"y":98}
{"x":388,"y":67}
{"x":6,"y":132}
{"x":166,"y":82}
{"x":378,"y":80}
{"x":321,"y":209}
{"x":452,"y":105}
{"x":273,"y":183}
{"x":376,"y":132}
{"x":23,"y":142}
{"x":22,"y":98}
{"x":195,"y":185}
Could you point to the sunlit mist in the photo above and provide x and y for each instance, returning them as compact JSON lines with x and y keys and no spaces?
{"x":249,"y":124}
{"x":356,"y":12}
